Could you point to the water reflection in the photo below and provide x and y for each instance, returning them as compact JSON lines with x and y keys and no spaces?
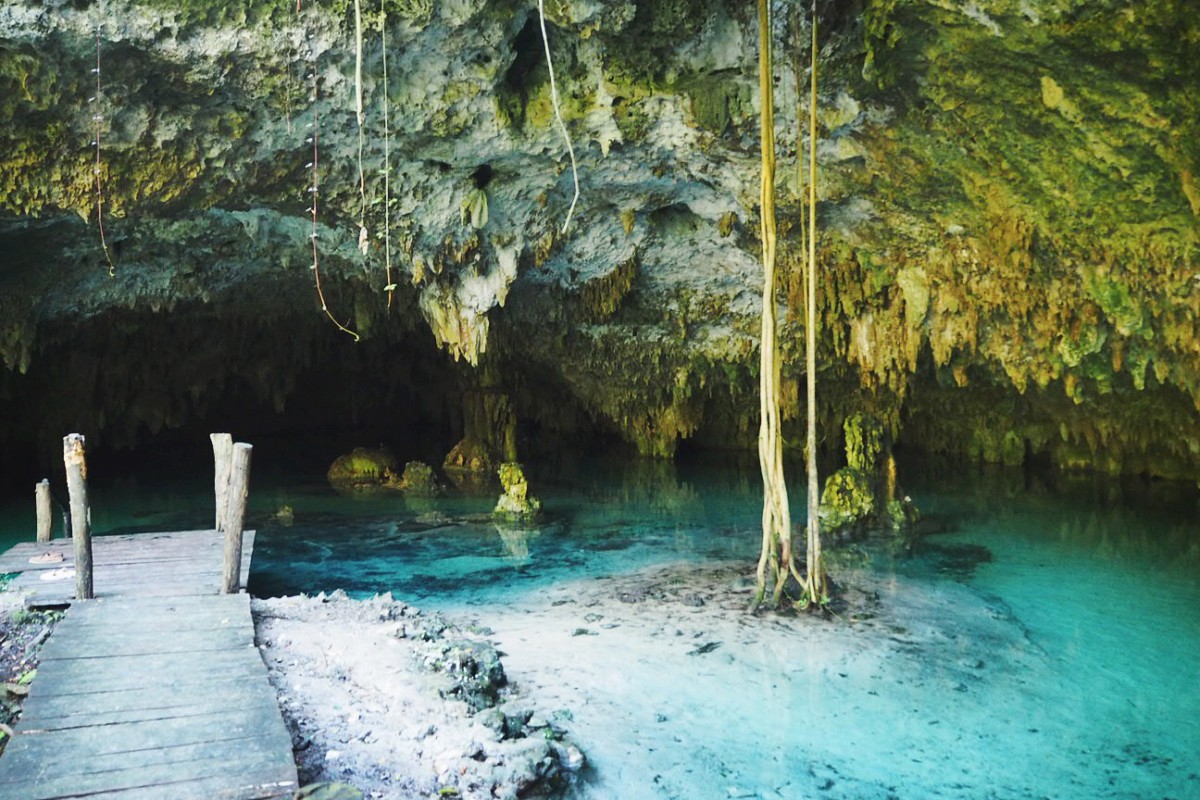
{"x":516,"y":539}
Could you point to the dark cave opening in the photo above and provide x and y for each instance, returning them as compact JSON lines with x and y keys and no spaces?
{"x":139,"y":384}
{"x":147,"y":389}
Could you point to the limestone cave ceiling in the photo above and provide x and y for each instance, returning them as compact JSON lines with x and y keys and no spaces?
{"x":1009,"y":203}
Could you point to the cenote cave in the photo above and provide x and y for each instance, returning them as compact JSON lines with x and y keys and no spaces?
{"x":483,"y":283}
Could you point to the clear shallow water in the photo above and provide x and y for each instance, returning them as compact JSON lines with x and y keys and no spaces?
{"x":1050,"y":647}
{"x":602,"y":520}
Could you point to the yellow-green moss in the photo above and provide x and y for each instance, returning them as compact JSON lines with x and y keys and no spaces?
{"x":601,"y":297}
{"x":718,"y":100}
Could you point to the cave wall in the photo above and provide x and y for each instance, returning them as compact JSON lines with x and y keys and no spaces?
{"x":1008,"y":212}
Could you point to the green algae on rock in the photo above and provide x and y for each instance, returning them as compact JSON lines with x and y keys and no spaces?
{"x":863,"y":494}
{"x":516,"y":503}
{"x":364,"y":469}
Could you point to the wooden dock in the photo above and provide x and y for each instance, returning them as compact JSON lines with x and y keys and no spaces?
{"x":182,"y":563}
{"x":154,"y":690}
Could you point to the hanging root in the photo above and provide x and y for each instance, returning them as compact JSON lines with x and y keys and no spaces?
{"x":775,"y":563}
{"x":361,"y":116}
{"x":562,"y":126}
{"x":314,"y":189}
{"x":815,"y":585}
{"x":97,"y":169}
{"x":389,"y":287}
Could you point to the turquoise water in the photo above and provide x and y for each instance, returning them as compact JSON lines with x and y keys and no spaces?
{"x":1050,"y":646}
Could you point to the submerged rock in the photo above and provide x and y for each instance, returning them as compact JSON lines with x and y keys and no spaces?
{"x":285,"y":515}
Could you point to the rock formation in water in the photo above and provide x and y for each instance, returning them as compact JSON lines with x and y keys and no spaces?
{"x":1009,"y":209}
{"x":515,"y":504}
{"x":364,"y":469}
{"x":864,"y":494}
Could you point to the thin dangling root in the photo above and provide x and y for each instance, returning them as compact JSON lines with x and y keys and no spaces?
{"x":97,"y":169}
{"x":815,"y":584}
{"x":562,"y":126}
{"x":314,"y":190}
{"x":360,"y":115}
{"x":389,"y":287}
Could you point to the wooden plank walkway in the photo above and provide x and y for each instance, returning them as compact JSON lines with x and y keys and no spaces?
{"x":136,"y":564}
{"x":155,"y":689}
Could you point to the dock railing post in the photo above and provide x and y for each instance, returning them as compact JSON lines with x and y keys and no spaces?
{"x":81,"y":515}
{"x":235,"y":514}
{"x":222,"y":445}
{"x":45,"y":522}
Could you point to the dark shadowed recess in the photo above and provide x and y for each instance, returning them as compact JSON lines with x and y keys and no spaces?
{"x":147,"y":388}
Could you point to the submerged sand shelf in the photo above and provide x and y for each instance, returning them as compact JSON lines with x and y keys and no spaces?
{"x":672,"y":689}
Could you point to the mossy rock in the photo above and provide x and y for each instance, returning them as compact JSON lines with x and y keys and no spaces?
{"x":418,"y":480}
{"x":475,"y":672}
{"x":864,"y":442}
{"x":470,"y":463}
{"x":848,"y":501}
{"x":364,"y":468}
{"x":515,"y":503}
{"x":901,"y":514}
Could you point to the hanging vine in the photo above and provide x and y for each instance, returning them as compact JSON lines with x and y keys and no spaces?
{"x":776,"y":563}
{"x":97,"y":103}
{"x":562,"y":126}
{"x":815,"y":588}
{"x":314,"y":189}
{"x":360,"y":115}
{"x":389,"y":287}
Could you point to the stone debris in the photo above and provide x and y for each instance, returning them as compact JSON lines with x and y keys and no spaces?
{"x":398,"y":703}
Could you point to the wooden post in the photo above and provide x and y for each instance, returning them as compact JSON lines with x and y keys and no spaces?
{"x":222,"y":444}
{"x":81,"y":516}
{"x":235,"y":513}
{"x":45,"y":522}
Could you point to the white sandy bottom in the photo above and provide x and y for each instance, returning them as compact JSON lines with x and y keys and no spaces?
{"x":677,"y":692}
{"x":672,"y":690}
{"x":917,"y":689}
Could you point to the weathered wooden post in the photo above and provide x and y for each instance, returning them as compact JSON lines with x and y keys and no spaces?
{"x":45,"y":522}
{"x":81,"y":515}
{"x":222,"y":445}
{"x":235,"y":514}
